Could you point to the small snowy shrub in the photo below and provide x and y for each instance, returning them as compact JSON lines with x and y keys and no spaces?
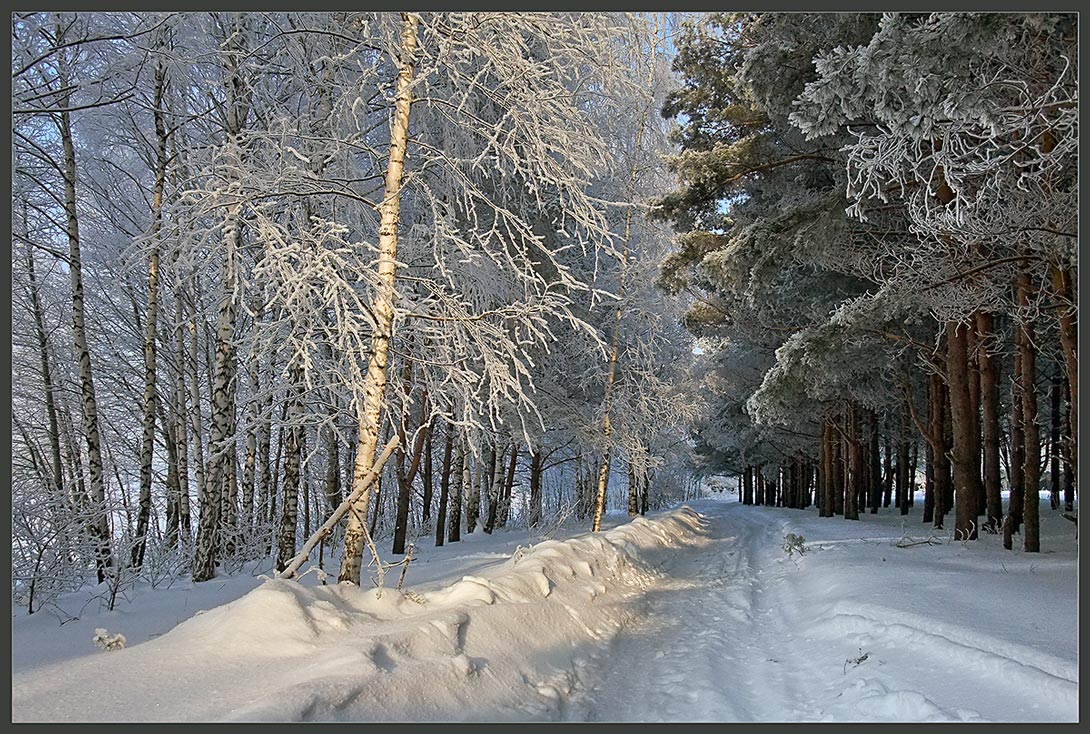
{"x":107,"y":641}
{"x":520,"y":553}
{"x":794,"y":544}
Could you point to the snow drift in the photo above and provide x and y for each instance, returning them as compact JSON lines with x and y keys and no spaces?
{"x":511,"y":641}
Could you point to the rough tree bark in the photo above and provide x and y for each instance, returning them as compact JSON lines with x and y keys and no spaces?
{"x":1013,"y":521}
{"x":966,"y":454}
{"x":1027,"y":349}
{"x":1063,"y":285}
{"x":856,"y":466}
{"x":1055,"y":402}
{"x":875,"y":459}
{"x":989,"y":403}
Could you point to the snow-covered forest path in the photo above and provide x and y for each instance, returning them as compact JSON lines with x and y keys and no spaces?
{"x":708,"y":644}
{"x":738,"y":631}
{"x":695,"y":614}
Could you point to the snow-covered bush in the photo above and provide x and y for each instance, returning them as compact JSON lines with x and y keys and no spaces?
{"x":793,"y":543}
{"x":108,"y":642}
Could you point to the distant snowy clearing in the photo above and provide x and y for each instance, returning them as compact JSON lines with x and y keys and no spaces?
{"x":698,"y":613}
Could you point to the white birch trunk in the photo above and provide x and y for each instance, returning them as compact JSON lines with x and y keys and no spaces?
{"x":147,"y":444}
{"x":370,"y":412}
{"x":98,"y":525}
{"x":607,"y":425}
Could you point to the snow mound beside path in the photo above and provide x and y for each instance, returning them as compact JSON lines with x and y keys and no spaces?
{"x":506,"y":645}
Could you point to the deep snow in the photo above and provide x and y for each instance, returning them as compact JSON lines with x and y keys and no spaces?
{"x":694,"y":614}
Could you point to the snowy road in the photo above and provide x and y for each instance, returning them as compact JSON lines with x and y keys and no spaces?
{"x":708,"y":647}
{"x":697,"y":614}
{"x":737,"y":631}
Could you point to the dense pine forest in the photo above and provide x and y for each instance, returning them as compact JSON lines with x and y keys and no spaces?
{"x":878,"y":231}
{"x":310,"y":292}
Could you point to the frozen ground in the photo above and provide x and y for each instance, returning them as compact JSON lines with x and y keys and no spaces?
{"x":694,"y":614}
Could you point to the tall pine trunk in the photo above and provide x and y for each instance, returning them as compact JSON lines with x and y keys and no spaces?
{"x":1064,"y":287}
{"x":966,"y":454}
{"x":989,"y":403}
{"x":856,"y":466}
{"x":1054,"y":453}
{"x":1031,"y":432}
{"x":875,"y":460}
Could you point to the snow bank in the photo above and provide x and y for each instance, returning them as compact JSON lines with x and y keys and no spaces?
{"x":511,"y":641}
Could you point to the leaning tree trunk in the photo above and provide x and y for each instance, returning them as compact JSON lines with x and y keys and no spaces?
{"x":98,"y":524}
{"x":173,"y":514}
{"x":382,"y":307}
{"x":1032,"y":475}
{"x":151,"y":321}
{"x":180,"y":424}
